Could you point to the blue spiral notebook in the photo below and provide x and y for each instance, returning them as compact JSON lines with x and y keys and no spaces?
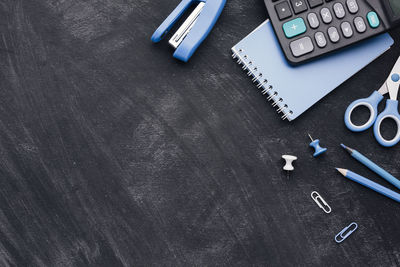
{"x":293,"y":90}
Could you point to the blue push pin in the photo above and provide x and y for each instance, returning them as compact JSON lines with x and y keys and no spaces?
{"x":318,"y":149}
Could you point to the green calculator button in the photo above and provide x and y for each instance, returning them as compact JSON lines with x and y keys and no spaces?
{"x":294,"y":27}
{"x":373,"y":19}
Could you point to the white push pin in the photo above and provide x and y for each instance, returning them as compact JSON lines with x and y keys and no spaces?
{"x":289,"y":163}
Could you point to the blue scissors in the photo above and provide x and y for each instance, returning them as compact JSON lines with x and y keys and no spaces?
{"x":390,"y":86}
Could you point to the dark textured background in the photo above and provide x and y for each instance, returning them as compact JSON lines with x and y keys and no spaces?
{"x":113,"y":153}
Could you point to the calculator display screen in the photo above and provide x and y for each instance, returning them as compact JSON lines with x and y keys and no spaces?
{"x":395,"y":4}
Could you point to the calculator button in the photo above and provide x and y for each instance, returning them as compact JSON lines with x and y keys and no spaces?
{"x":283,"y":10}
{"x":333,"y":34}
{"x":315,"y":3}
{"x":352,"y":6}
{"x":346,"y":29}
{"x":294,"y":27}
{"x":373,"y":19}
{"x":313,"y":20}
{"x":299,"y":6}
{"x":359,"y":23}
{"x":320,"y":39}
{"x":326,"y":15}
{"x":339,"y":10}
{"x":302,"y":46}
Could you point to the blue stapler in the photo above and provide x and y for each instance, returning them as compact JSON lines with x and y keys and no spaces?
{"x":194,"y":30}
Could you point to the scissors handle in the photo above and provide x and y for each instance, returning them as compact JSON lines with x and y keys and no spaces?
{"x":391,"y":112}
{"x":371,"y":103}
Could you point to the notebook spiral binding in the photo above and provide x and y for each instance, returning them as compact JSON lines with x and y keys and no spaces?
{"x":262,"y":83}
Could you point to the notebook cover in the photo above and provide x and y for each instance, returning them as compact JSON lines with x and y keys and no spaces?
{"x":294,"y":89}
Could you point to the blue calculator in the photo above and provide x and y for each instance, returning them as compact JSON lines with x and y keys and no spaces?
{"x":307,"y":29}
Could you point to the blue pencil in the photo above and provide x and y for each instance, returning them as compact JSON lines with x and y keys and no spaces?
{"x":372,"y":166}
{"x":370,"y":184}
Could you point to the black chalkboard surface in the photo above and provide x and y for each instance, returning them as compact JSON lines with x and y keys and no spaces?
{"x":115,"y":154}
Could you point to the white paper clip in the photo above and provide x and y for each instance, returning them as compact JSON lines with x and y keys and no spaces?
{"x":320,"y":202}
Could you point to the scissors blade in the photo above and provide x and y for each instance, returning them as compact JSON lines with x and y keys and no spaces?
{"x":393,"y":81}
{"x":384,"y":89}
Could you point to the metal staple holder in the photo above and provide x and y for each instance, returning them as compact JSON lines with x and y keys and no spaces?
{"x":194,"y":30}
{"x":321,"y":202}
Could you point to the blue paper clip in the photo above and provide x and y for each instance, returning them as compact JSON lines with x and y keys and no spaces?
{"x":346,"y":232}
{"x":194,"y":30}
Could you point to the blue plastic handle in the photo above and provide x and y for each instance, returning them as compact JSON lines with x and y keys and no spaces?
{"x":371,"y":103}
{"x":391,"y":112}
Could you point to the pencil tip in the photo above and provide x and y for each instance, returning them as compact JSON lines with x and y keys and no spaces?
{"x":342,"y":171}
{"x":348,"y":149}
